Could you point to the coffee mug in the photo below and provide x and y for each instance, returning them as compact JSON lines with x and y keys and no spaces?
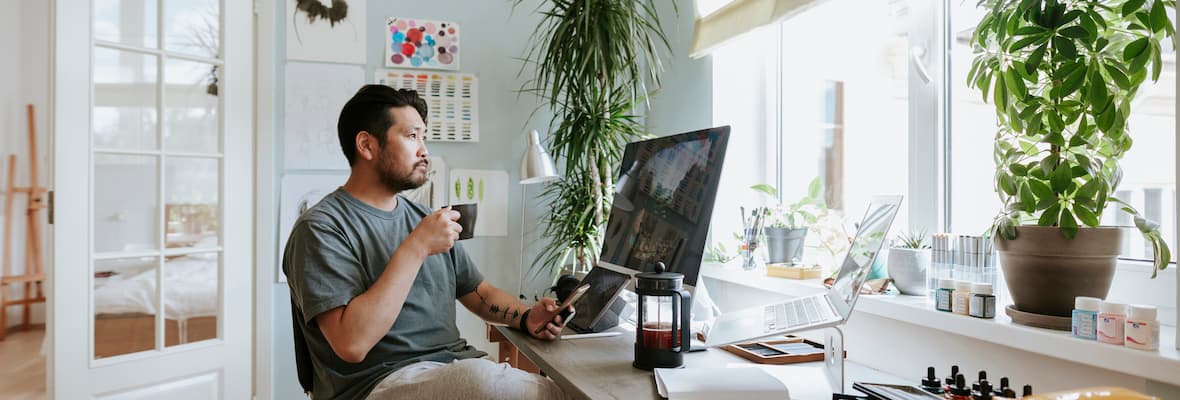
{"x":467,"y":214}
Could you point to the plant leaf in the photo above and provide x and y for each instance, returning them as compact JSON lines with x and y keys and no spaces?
{"x":1040,"y":189}
{"x":1049,"y":216}
{"x":1159,"y":17}
{"x":1131,"y":6}
{"x":1069,"y":226}
{"x":1134,"y":49}
{"x":766,"y":189}
{"x":1061,"y":178}
{"x":1088,"y":217}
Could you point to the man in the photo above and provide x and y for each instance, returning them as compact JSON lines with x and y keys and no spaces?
{"x":374,"y":277}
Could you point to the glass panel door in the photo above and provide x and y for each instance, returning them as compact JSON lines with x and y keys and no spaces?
{"x":157,"y":163}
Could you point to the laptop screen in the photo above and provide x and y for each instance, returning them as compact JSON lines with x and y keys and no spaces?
{"x":865,"y":246}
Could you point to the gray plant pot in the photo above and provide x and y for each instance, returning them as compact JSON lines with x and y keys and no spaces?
{"x":908,"y":269}
{"x":1045,"y":271}
{"x":785,"y":245}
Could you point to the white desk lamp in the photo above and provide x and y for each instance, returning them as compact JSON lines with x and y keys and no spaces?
{"x":535,"y":167}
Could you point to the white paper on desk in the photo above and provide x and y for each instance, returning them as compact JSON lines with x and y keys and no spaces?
{"x":804,"y":382}
{"x":718,"y":383}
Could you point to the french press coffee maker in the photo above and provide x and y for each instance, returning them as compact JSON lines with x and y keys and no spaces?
{"x":662,"y":332}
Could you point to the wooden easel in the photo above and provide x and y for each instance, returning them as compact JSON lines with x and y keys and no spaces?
{"x":34,"y":273}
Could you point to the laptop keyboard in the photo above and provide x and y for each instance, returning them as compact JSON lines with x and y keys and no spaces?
{"x":798,"y":312}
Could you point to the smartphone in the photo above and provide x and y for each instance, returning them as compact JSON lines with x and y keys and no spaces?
{"x":565,"y":311}
{"x":568,"y":312}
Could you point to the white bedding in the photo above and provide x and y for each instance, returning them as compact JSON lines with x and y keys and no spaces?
{"x":190,"y":288}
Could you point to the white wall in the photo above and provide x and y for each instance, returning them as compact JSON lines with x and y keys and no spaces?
{"x":24,"y":79}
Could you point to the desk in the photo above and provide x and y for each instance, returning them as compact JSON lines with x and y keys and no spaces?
{"x":600,"y":368}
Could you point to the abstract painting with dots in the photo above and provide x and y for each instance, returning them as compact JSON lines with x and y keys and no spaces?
{"x":420,"y":43}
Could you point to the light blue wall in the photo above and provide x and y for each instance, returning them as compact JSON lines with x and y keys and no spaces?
{"x":685,"y":101}
{"x":493,"y":36}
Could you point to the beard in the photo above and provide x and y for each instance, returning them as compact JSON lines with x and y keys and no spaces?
{"x":398,"y":181}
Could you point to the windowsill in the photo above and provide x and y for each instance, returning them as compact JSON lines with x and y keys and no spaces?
{"x":1158,"y":365}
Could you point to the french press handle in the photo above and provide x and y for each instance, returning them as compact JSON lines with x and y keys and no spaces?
{"x":685,"y":320}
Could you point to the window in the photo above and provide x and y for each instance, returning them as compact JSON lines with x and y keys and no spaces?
{"x":834,"y":108}
{"x":1149,"y":181}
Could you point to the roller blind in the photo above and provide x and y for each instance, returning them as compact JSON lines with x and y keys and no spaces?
{"x":738,"y":17}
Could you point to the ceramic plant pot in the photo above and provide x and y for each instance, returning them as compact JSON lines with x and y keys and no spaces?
{"x":1045,"y":271}
{"x":785,"y":245}
{"x":908,"y":268}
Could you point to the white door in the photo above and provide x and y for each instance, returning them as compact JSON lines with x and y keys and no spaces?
{"x":152,"y":149}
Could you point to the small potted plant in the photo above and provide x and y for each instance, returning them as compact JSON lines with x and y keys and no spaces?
{"x":786,"y":230}
{"x":1062,"y":76}
{"x":908,"y":263}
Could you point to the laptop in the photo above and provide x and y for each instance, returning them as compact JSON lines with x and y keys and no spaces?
{"x":819,"y":310}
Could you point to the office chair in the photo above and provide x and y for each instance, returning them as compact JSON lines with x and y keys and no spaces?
{"x":303,"y":365}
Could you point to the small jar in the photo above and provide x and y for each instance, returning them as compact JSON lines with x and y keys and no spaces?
{"x":1085,"y":317}
{"x":942,"y":299}
{"x":983,"y":302}
{"x":961,"y":298}
{"x":1111,"y":319}
{"x":1142,"y":328}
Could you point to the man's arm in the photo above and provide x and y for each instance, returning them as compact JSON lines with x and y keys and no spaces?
{"x":497,"y":306}
{"x":352,"y":330}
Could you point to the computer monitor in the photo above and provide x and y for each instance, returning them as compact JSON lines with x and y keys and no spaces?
{"x":663,"y":203}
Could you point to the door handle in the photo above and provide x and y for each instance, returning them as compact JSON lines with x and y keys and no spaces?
{"x":917,"y":53}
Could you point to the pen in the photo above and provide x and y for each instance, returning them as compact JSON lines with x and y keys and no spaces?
{"x":590,"y":335}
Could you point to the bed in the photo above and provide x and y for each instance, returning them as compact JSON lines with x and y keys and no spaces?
{"x":125,"y":302}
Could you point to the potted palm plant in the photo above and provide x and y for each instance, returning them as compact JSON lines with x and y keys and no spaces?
{"x":1062,"y":75}
{"x":592,"y":62}
{"x":786,"y":231}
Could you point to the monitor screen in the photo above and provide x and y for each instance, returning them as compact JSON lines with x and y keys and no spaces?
{"x":663,"y":202}
{"x":870,"y":236}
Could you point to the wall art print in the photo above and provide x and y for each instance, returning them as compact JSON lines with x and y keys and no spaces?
{"x":420,"y":43}
{"x":328,"y":31}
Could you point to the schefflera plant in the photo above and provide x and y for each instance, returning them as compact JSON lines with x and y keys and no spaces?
{"x":1062,"y":76}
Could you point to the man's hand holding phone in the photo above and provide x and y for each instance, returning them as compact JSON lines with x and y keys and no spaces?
{"x":546,"y":318}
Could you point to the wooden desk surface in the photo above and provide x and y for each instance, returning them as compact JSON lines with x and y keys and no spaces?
{"x":600,"y":368}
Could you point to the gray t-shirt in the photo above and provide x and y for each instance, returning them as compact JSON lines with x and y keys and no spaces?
{"x":336,"y":251}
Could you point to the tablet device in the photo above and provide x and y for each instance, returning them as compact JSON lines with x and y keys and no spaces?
{"x":605,"y":285}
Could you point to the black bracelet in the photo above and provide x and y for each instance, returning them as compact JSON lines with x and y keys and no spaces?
{"x":524,"y":327}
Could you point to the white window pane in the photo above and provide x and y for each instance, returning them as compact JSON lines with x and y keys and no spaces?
{"x":193,"y":27}
{"x":191,"y":304}
{"x":125,"y":305}
{"x":845,"y":109}
{"x":192,"y":106}
{"x":192,"y":202}
{"x":126,"y":204}
{"x":130,"y":22}
{"x":843,"y":115}
{"x":124,"y":115}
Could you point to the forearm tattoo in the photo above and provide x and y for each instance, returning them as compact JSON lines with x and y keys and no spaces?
{"x":506,"y":314}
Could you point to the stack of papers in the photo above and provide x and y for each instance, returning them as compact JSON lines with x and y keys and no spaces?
{"x":718,"y":383}
{"x":744,"y":381}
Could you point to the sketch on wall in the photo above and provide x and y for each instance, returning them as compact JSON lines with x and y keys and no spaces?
{"x":299,"y":192}
{"x":326,"y":30}
{"x":419,"y":43}
{"x":453,"y":99}
{"x":433,"y":193}
{"x":489,"y":189}
{"x":315,"y":93}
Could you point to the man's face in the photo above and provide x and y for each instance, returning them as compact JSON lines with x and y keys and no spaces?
{"x":401,"y":160}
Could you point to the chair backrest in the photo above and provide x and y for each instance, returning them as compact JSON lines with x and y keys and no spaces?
{"x":303,"y":365}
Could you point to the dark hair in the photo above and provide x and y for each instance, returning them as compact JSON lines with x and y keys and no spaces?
{"x":368,"y":110}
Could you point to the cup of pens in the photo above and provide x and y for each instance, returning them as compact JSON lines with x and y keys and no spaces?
{"x":752,"y":236}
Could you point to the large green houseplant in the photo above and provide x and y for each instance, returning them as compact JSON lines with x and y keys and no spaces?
{"x":594,"y":61}
{"x":1062,"y":76}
